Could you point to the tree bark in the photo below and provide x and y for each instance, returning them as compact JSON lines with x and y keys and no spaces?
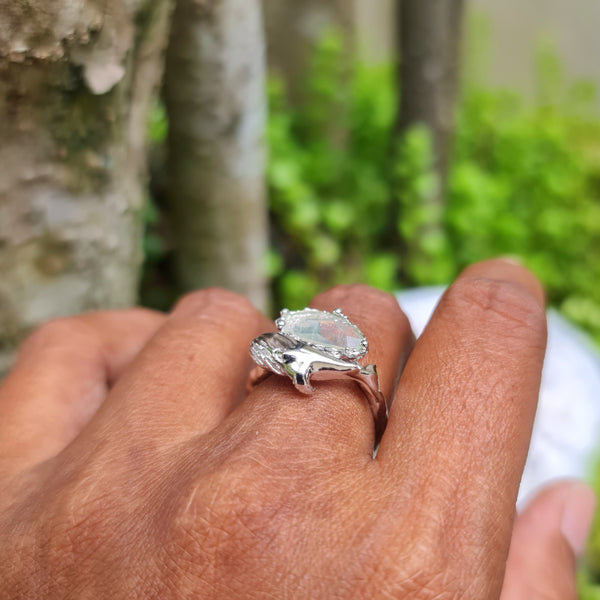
{"x":430,"y":34}
{"x":76,"y":79}
{"x":429,"y":47}
{"x":215,"y":97}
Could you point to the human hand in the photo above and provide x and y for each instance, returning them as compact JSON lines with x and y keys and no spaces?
{"x":133,"y":465}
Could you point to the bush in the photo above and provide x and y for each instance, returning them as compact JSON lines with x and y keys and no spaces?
{"x":329,"y":180}
{"x":526,"y":182}
{"x":347,"y":197}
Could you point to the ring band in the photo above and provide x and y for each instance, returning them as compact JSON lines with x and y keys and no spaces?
{"x":314,"y":345}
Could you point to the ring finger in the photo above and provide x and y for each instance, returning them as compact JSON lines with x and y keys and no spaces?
{"x":336,"y":416}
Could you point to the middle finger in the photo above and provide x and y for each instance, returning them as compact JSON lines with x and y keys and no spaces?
{"x":459,"y":431}
{"x":189,"y":376}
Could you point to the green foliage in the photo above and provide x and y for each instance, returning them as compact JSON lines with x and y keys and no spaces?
{"x":526,"y":182}
{"x":586,"y":587}
{"x":330,"y":179}
{"x":157,"y":289}
{"x":420,"y":220}
{"x":589,"y":573}
{"x":158,"y":124}
{"x":348,"y":198}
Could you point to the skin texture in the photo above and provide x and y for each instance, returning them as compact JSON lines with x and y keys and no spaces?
{"x":133,"y":465}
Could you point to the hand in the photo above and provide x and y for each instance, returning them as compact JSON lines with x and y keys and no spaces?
{"x":133,"y":466}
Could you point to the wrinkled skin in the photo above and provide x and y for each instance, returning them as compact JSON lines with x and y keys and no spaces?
{"x":133,"y":465}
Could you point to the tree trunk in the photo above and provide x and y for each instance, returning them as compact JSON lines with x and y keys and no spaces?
{"x":76,"y":79}
{"x":430,"y":34}
{"x":215,"y":96}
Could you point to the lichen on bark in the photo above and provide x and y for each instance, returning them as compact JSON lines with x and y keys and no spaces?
{"x":76,"y":80}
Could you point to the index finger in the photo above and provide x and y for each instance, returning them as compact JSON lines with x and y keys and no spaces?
{"x":461,"y":421}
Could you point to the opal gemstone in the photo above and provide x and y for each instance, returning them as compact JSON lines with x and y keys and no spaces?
{"x":323,"y":329}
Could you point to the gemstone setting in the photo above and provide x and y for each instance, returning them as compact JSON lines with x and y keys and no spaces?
{"x":331,"y":332}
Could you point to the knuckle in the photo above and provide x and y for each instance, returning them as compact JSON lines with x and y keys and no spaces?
{"x":437,"y":569}
{"x":364,"y":303}
{"x":503,"y":305}
{"x":360,"y":290}
{"x":80,"y":517}
{"x":54,"y":329}
{"x":218,"y":524}
{"x":137,"y":314}
{"x":425,"y":573}
{"x":211,"y":300}
{"x":58,"y":333}
{"x":66,"y":538}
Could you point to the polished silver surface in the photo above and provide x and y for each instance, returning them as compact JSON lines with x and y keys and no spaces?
{"x":304,"y":362}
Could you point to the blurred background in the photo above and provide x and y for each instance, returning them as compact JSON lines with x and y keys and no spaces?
{"x":280,"y":147}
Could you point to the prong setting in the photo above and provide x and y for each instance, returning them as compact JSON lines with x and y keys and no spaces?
{"x":337,"y":325}
{"x":296,"y":352}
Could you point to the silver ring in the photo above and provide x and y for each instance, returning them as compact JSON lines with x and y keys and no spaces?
{"x":317,"y":345}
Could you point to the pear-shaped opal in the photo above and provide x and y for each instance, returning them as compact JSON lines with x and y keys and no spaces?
{"x":326,"y":329}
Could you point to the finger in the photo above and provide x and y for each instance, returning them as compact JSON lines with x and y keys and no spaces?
{"x":191,"y":374}
{"x":461,"y":423}
{"x":61,"y":376}
{"x":547,"y":538}
{"x":337,"y":414}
